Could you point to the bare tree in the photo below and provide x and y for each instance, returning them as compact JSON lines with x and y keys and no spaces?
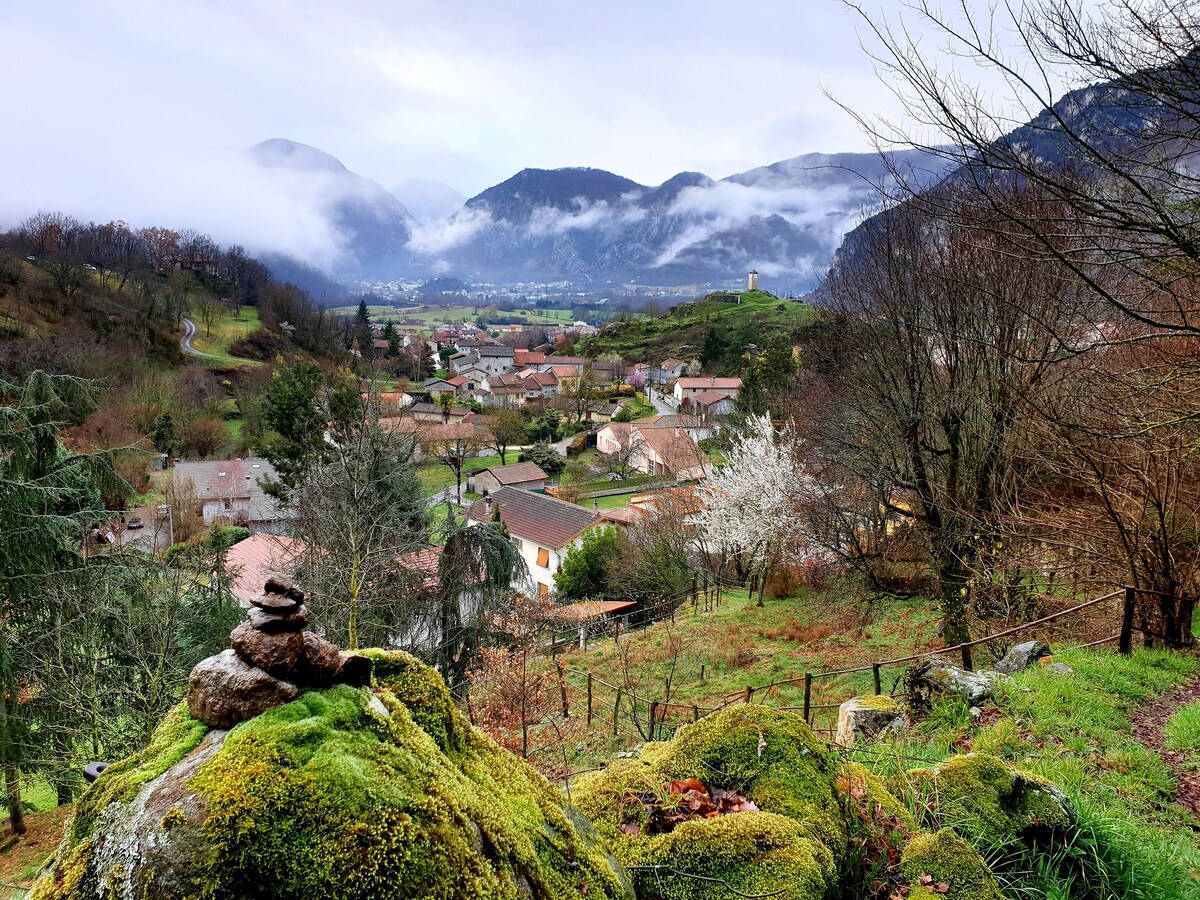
{"x":947,"y":332}
{"x":505,"y":428}
{"x":1110,"y":155}
{"x":452,"y":446}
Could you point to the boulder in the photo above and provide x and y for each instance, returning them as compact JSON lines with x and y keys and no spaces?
{"x":943,"y":866}
{"x":1022,"y":656}
{"x":866,"y":718}
{"x":276,"y":654}
{"x":273,"y":623}
{"x":321,"y":661}
{"x":224,"y":690}
{"x":936,"y":677}
{"x":1058,"y":668}
{"x":993,"y":802}
{"x":327,"y":797}
{"x":786,"y":841}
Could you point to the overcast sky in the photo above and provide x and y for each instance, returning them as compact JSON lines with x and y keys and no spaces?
{"x":142,"y":109}
{"x":463,"y":91}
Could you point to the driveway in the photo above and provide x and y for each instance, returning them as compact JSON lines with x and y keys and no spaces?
{"x":662,"y":404}
{"x":185,"y":342}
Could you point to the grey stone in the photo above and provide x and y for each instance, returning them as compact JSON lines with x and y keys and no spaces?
{"x":272,"y":623}
{"x":1022,"y":656}
{"x":937,"y":677}
{"x":275,"y":603}
{"x":224,"y":690}
{"x":866,"y":718}
{"x":1060,"y":669}
{"x":376,"y":706}
{"x":282,"y":584}
{"x":277,"y":654}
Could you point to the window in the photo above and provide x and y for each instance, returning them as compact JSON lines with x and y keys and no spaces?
{"x":229,"y":504}
{"x":543,"y":591}
{"x":543,"y":557}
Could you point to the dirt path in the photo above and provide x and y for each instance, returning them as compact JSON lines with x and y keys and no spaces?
{"x":1148,"y":723}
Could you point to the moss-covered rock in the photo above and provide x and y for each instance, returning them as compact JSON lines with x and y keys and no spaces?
{"x":988,"y":800}
{"x":859,"y":786}
{"x":342,"y":793}
{"x":930,"y":861}
{"x":771,"y":757}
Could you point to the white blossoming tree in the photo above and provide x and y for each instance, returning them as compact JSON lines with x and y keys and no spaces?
{"x":751,"y":514}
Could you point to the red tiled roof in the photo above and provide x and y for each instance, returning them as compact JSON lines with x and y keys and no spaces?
{"x":623,"y":515}
{"x":257,"y":557}
{"x":676,"y":449}
{"x":425,"y":562}
{"x":586,"y":610}
{"x":707,"y":381}
{"x":707,"y":398}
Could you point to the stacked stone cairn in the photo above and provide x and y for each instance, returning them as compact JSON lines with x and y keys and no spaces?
{"x":272,"y":658}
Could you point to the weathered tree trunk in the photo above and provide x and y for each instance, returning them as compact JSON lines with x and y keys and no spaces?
{"x":12,"y":776}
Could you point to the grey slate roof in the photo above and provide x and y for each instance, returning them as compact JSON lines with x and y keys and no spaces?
{"x":535,"y":517}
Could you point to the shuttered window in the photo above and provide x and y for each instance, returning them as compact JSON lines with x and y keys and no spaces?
{"x":543,"y":591}
{"x":543,"y":558}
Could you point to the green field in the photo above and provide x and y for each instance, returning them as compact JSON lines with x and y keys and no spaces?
{"x":437,"y":477}
{"x":680,"y":331}
{"x":426,"y":317}
{"x":225,"y":331}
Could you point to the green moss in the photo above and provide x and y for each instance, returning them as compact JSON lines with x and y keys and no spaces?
{"x":423,"y":693}
{"x":991,"y":802}
{"x":878,"y":701}
{"x":754,"y":853}
{"x":858,"y":784}
{"x":947,"y":859}
{"x":177,"y":736}
{"x":770,"y":756}
{"x":328,"y":797}
{"x":174,"y":817}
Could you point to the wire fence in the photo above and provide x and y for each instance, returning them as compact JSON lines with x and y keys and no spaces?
{"x":625,"y":710}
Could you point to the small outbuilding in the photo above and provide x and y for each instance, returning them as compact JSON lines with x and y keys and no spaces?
{"x":524,"y":476}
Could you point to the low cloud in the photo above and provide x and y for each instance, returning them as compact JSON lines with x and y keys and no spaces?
{"x":219,"y":191}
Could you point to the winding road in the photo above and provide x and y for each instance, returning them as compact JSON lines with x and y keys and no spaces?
{"x":185,"y":342}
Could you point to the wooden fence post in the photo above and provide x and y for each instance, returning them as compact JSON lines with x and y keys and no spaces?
{"x":695,"y":591}
{"x":701,"y":671}
{"x":653,"y":716}
{"x":616,"y":711}
{"x":562,"y":687}
{"x":807,"y":694}
{"x":874,"y":674}
{"x":589,"y":698}
{"x":749,"y":693}
{"x":695,"y":713}
{"x":1125,"y":642}
{"x":966,"y":658}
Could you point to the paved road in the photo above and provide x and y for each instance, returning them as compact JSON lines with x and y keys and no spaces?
{"x":185,"y":342}
{"x":661,"y":404}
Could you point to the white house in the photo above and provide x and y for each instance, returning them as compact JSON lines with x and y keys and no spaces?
{"x":232,"y":489}
{"x":654,"y":451}
{"x":543,"y":529}
{"x":686,"y":388}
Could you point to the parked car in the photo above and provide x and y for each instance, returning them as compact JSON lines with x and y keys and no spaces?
{"x":135,"y":522}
